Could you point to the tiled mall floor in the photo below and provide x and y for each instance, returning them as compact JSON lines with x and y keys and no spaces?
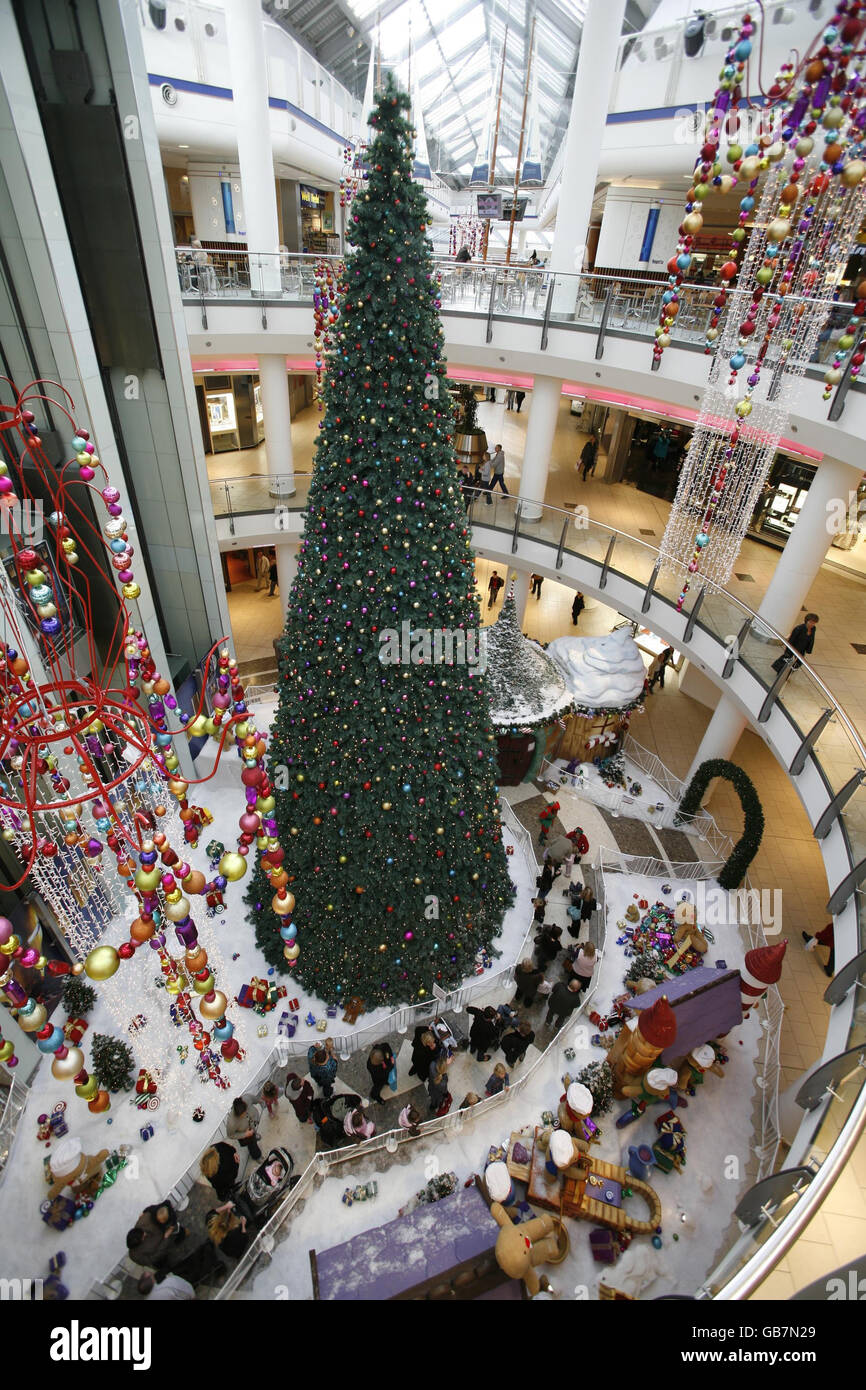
{"x":672,"y":727}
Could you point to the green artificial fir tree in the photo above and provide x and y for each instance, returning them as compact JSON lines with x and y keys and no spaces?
{"x":382,"y":756}
{"x":523,"y":684}
{"x":112,"y":1063}
{"x":78,"y":996}
{"x":597,"y":1077}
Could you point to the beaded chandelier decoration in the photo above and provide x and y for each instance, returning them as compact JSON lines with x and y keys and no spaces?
{"x":813,"y":204}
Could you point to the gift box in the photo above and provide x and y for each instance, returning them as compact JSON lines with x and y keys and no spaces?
{"x":292,"y":1004}
{"x":322,"y":1025}
{"x":258,"y":990}
{"x":145,"y":1084}
{"x":244,"y":997}
{"x":74,"y":1029}
{"x":331,"y":1011}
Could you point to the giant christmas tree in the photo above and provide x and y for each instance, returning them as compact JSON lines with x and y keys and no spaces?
{"x":389,"y":810}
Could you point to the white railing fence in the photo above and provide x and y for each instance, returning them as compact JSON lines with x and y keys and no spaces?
{"x":14,"y":1102}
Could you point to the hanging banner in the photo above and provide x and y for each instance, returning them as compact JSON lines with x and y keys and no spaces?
{"x":649,"y":235}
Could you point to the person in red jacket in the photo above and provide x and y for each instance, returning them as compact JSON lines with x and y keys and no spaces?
{"x":823,"y":938}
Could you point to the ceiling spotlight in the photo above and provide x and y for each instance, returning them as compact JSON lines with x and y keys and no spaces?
{"x":157,"y":11}
{"x":784,"y":16}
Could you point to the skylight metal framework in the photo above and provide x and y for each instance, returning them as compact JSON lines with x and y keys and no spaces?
{"x":456,"y":48}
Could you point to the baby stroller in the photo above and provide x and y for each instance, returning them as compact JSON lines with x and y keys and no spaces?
{"x":266,"y":1184}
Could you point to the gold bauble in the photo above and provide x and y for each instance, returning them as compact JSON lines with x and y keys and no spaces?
{"x":779,"y":229}
{"x":214,"y":1008}
{"x":693,"y":223}
{"x":749,"y":168}
{"x":147,"y":880}
{"x":33,"y":1022}
{"x":283,"y":907}
{"x":853,"y":173}
{"x":292,"y":952}
{"x":176,"y":912}
{"x":203,"y":986}
{"x":194,"y":882}
{"x":102,"y":963}
{"x":197,"y":728}
{"x":196,"y":958}
{"x":232,"y":866}
{"x":265,"y":805}
{"x":64,"y":1068}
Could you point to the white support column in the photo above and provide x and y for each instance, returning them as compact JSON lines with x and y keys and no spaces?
{"x":251,"y":116}
{"x":543,"y":415}
{"x":521,"y":593}
{"x":832,"y":491}
{"x":287,"y":568}
{"x":721,"y":737}
{"x":593,"y":83}
{"x":274,"y":380}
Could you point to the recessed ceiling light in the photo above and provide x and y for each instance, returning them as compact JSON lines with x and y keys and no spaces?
{"x":183,"y":147}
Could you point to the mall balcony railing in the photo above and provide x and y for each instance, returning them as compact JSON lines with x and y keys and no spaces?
{"x":828,"y":740}
{"x":605,"y":305}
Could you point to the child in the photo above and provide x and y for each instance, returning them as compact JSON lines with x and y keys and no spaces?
{"x":498,"y":1081}
{"x":271,"y":1098}
{"x":409,"y":1119}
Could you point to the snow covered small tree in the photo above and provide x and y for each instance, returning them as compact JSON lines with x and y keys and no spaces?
{"x":647,"y":965}
{"x":523,"y":684}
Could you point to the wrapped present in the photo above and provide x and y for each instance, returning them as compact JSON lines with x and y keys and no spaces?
{"x":292,"y":1004}
{"x":258,"y":990}
{"x":331,"y":1011}
{"x":145,"y":1084}
{"x":244,"y":997}
{"x":322,"y":1025}
{"x":74,"y":1029}
{"x":288,"y":1025}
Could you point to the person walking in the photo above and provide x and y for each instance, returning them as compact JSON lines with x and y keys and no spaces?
{"x":515,"y":1043}
{"x":155,"y":1237}
{"x":485,"y":477}
{"x":497,"y":1082}
{"x":299,"y":1094}
{"x":242,"y":1126}
{"x":802,"y":639}
{"x":564,"y":999}
{"x":380,"y":1064}
{"x":583,"y":965}
{"x":548,"y":944}
{"x":263,"y":569}
{"x":270,"y":1098}
{"x":323,"y":1066}
{"x":357,"y":1126}
{"x":426,"y":1049}
{"x":823,"y":938}
{"x":494,"y":585}
{"x":437,"y":1088}
{"x":527,"y":978}
{"x":484,"y":1032}
{"x":587,"y":456}
{"x":549,"y":872}
{"x":497,"y":464}
{"x":656,"y":672}
{"x":220,"y":1165}
{"x":509,"y":398}
{"x":519,"y":397}
{"x":536,"y":581}
{"x":661,"y":449}
{"x":272,"y":574}
{"x":577,"y":607}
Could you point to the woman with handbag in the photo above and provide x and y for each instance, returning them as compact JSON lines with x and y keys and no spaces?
{"x":437,"y":1088}
{"x":380,"y":1064}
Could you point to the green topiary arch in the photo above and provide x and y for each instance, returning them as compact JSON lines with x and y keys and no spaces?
{"x":749,"y":842}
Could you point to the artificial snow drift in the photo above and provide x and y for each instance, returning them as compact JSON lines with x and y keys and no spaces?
{"x":601,"y":672}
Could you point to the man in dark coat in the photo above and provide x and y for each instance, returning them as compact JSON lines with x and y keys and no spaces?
{"x":802,"y":639}
{"x":484,"y":1033}
{"x":514,"y":1044}
{"x":527,"y":978}
{"x":426,"y":1048}
{"x":564,"y":999}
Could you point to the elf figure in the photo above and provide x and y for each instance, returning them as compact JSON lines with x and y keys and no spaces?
{"x":653,"y":1086}
{"x":574,"y":1108}
{"x":699,"y":1061}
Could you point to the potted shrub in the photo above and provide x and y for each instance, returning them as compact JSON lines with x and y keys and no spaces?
{"x":470,"y":441}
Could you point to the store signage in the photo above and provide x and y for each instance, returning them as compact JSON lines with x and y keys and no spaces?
{"x":311,"y":197}
{"x":490,"y":205}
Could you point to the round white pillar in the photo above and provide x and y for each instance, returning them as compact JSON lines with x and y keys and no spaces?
{"x":833,"y":492}
{"x":252,"y":123}
{"x":541,"y":427}
{"x":520,"y":579}
{"x":596,"y":70}
{"x":721,"y":737}
{"x":287,"y":568}
{"x":277,"y":420}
